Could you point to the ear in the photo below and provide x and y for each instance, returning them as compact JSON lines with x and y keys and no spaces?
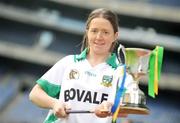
{"x":116,"y":36}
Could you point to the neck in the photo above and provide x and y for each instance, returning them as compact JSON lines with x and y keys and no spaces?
{"x":95,"y":59}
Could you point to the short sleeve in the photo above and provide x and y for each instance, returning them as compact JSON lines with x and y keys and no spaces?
{"x":51,"y":81}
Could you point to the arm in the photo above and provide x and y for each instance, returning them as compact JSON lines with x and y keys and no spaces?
{"x":41,"y":99}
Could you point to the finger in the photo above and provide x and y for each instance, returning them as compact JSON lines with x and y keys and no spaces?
{"x":62,"y":111}
{"x":67,"y":106}
{"x":107,"y":106}
{"x":105,"y":114}
{"x":58,"y":114}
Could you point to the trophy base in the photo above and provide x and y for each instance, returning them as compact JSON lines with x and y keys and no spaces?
{"x":138,"y":109}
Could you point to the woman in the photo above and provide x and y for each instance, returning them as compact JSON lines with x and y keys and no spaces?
{"x":87,"y":81}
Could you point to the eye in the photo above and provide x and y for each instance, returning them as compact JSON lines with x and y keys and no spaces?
{"x":105,"y":32}
{"x":94,"y":30}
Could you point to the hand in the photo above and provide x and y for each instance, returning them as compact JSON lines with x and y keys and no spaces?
{"x":103,"y":110}
{"x":59,"y":109}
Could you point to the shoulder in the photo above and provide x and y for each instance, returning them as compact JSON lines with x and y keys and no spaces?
{"x":66,"y":59}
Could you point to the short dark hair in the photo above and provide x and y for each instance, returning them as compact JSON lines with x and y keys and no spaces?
{"x":103,"y":13}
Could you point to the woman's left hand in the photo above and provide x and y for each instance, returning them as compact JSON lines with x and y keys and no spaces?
{"x":103,"y":110}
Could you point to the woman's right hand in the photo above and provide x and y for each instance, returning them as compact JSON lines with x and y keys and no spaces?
{"x":59,"y":109}
{"x":103,"y":110}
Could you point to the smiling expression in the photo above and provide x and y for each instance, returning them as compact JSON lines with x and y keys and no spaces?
{"x":100,"y":36}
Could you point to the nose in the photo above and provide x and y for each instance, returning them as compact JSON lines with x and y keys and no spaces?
{"x":99,"y":35}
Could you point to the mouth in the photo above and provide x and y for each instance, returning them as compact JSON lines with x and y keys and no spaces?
{"x":99,"y":43}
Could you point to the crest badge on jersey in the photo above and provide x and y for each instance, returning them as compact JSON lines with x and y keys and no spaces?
{"x":107,"y":81}
{"x":74,"y":74}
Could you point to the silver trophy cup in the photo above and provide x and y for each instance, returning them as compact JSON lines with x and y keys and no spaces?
{"x":137,"y":62}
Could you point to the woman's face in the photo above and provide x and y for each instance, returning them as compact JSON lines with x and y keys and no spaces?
{"x":100,"y":36}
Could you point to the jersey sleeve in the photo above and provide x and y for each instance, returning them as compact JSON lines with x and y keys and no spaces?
{"x":51,"y":81}
{"x":118,"y":81}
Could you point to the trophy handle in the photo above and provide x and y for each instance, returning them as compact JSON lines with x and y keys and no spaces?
{"x":121,"y":54}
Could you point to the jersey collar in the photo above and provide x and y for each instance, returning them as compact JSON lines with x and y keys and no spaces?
{"x":111,"y":60}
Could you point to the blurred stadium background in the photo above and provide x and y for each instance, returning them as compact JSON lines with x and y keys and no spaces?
{"x":35,"y":34}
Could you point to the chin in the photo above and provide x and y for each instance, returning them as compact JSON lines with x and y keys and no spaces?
{"x":99,"y":52}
